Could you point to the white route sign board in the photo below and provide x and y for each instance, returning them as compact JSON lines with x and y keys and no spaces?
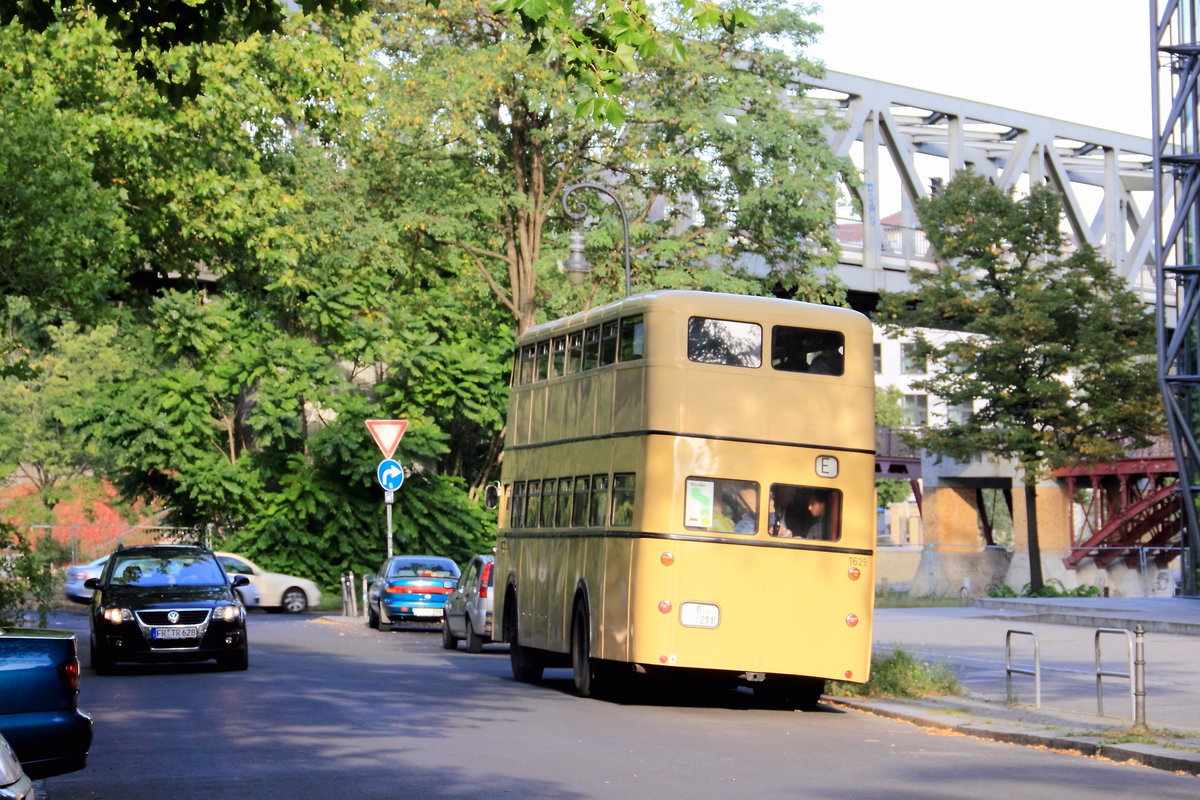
{"x":387,"y":433}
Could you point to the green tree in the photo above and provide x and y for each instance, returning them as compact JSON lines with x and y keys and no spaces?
{"x":718,"y":161}
{"x":1054,"y":350}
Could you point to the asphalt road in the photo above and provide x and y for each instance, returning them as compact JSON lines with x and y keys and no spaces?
{"x":329,"y":709}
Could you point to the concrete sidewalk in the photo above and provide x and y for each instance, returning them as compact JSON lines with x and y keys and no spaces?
{"x":972,"y":642}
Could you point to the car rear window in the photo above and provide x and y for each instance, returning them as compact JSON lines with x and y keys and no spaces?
{"x":423,"y":569}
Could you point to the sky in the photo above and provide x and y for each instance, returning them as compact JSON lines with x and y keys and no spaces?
{"x":1083,"y":61}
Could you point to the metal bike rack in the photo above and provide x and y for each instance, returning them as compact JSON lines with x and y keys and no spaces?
{"x":1135,"y":674}
{"x":1036,"y":672}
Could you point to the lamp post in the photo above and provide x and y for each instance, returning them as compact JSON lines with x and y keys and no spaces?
{"x":577,"y":266}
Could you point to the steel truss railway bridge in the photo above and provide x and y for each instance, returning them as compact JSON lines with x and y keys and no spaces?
{"x":1136,"y":200}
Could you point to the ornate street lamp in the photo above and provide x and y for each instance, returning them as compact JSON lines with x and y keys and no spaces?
{"x":577,"y":266}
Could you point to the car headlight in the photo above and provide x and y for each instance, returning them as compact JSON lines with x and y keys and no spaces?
{"x":227,"y":613}
{"x":118,"y":615}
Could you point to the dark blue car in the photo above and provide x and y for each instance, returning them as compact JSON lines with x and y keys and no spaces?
{"x":39,"y":692}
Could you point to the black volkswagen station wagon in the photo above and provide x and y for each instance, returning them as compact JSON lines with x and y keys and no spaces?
{"x":157,"y":603}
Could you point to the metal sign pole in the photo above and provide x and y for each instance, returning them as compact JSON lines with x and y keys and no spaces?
{"x":389,"y":498}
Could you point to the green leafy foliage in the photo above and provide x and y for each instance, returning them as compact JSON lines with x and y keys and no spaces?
{"x":1055,"y":352}
{"x":900,"y":674}
{"x":27,"y":581}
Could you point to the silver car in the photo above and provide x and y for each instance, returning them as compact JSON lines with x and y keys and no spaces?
{"x":468,"y":610}
{"x":14,"y":783}
{"x":77,"y":574}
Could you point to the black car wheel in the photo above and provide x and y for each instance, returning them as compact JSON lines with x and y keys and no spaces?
{"x":237,"y":660}
{"x":295,"y":601}
{"x":102,"y":663}
{"x":474,"y":640}
{"x":372,"y":618}
{"x":448,"y":640}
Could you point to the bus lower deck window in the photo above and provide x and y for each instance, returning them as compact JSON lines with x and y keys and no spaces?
{"x":598,"y":509}
{"x":721,"y":505}
{"x":804,"y":512}
{"x":623,"y":494}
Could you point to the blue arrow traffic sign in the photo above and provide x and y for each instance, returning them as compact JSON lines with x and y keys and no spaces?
{"x":390,"y":474}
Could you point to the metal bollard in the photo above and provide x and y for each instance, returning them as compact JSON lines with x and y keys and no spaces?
{"x":1139,"y":678}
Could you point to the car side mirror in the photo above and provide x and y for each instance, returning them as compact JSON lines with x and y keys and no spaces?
{"x":239,"y":580}
{"x":92,"y":583}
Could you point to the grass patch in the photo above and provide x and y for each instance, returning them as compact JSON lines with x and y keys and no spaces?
{"x":893,"y":599}
{"x":900,"y":674}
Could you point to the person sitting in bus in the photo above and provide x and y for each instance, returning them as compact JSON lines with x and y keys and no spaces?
{"x":745,"y":510}
{"x":817,"y":506}
{"x":783,"y":515}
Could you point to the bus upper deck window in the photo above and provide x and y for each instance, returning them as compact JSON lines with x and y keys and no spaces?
{"x":541,"y":367}
{"x":591,"y":348}
{"x":807,"y":350}
{"x":575,"y":353}
{"x":623,"y":494}
{"x":558,"y":356}
{"x":633,"y":338}
{"x":527,"y":360}
{"x":608,"y":343}
{"x":722,"y":341}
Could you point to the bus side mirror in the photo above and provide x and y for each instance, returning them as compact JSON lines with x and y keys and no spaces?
{"x":491,"y":495}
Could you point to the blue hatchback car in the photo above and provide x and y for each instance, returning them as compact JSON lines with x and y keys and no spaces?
{"x":410,"y":588}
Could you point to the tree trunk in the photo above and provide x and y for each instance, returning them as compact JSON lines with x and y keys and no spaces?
{"x":1035,"y":550}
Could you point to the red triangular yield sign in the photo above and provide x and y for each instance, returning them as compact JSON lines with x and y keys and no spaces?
{"x":387,"y":433}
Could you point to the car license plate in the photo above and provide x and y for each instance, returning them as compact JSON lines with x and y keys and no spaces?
{"x":699,"y":615}
{"x":427,"y":612}
{"x":185,"y":632}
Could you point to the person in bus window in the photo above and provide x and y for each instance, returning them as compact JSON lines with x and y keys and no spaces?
{"x":744,"y":510}
{"x":817,"y":506}
{"x":786,"y":515}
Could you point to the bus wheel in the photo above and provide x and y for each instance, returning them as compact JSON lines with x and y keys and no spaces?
{"x":526,"y":667}
{"x":582,"y":665}
{"x":791,"y":693}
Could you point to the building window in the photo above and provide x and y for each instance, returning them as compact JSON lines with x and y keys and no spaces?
{"x":916,"y":407}
{"x":911,"y":363}
{"x":959,"y":414}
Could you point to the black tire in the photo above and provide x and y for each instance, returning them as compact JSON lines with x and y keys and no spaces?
{"x":237,"y":660}
{"x":474,"y":640}
{"x":791,"y":694}
{"x":372,"y":618}
{"x":102,"y":662}
{"x":448,"y":640}
{"x":526,"y":666}
{"x":294,"y":601}
{"x":583,"y":669}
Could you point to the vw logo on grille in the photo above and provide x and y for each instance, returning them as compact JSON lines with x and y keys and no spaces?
{"x":173,"y":617}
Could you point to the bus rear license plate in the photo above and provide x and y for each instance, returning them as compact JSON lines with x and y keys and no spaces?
{"x":699,"y":615}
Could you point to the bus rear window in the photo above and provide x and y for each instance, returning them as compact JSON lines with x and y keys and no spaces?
{"x":722,"y":341}
{"x":721,"y":506}
{"x":807,"y":350}
{"x":805,"y":512}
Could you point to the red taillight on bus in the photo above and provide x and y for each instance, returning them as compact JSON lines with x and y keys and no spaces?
{"x":484,"y":580}
{"x":665,"y":606}
{"x":852,"y":620}
{"x":854,"y":573}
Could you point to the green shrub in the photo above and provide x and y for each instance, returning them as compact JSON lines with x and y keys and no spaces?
{"x":1053,"y":587}
{"x":900,"y":674}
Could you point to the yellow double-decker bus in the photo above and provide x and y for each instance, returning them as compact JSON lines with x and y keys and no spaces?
{"x":688,"y":487}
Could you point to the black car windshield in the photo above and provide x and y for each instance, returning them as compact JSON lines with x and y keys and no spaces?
{"x":422,"y":568}
{"x":166,"y":570}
